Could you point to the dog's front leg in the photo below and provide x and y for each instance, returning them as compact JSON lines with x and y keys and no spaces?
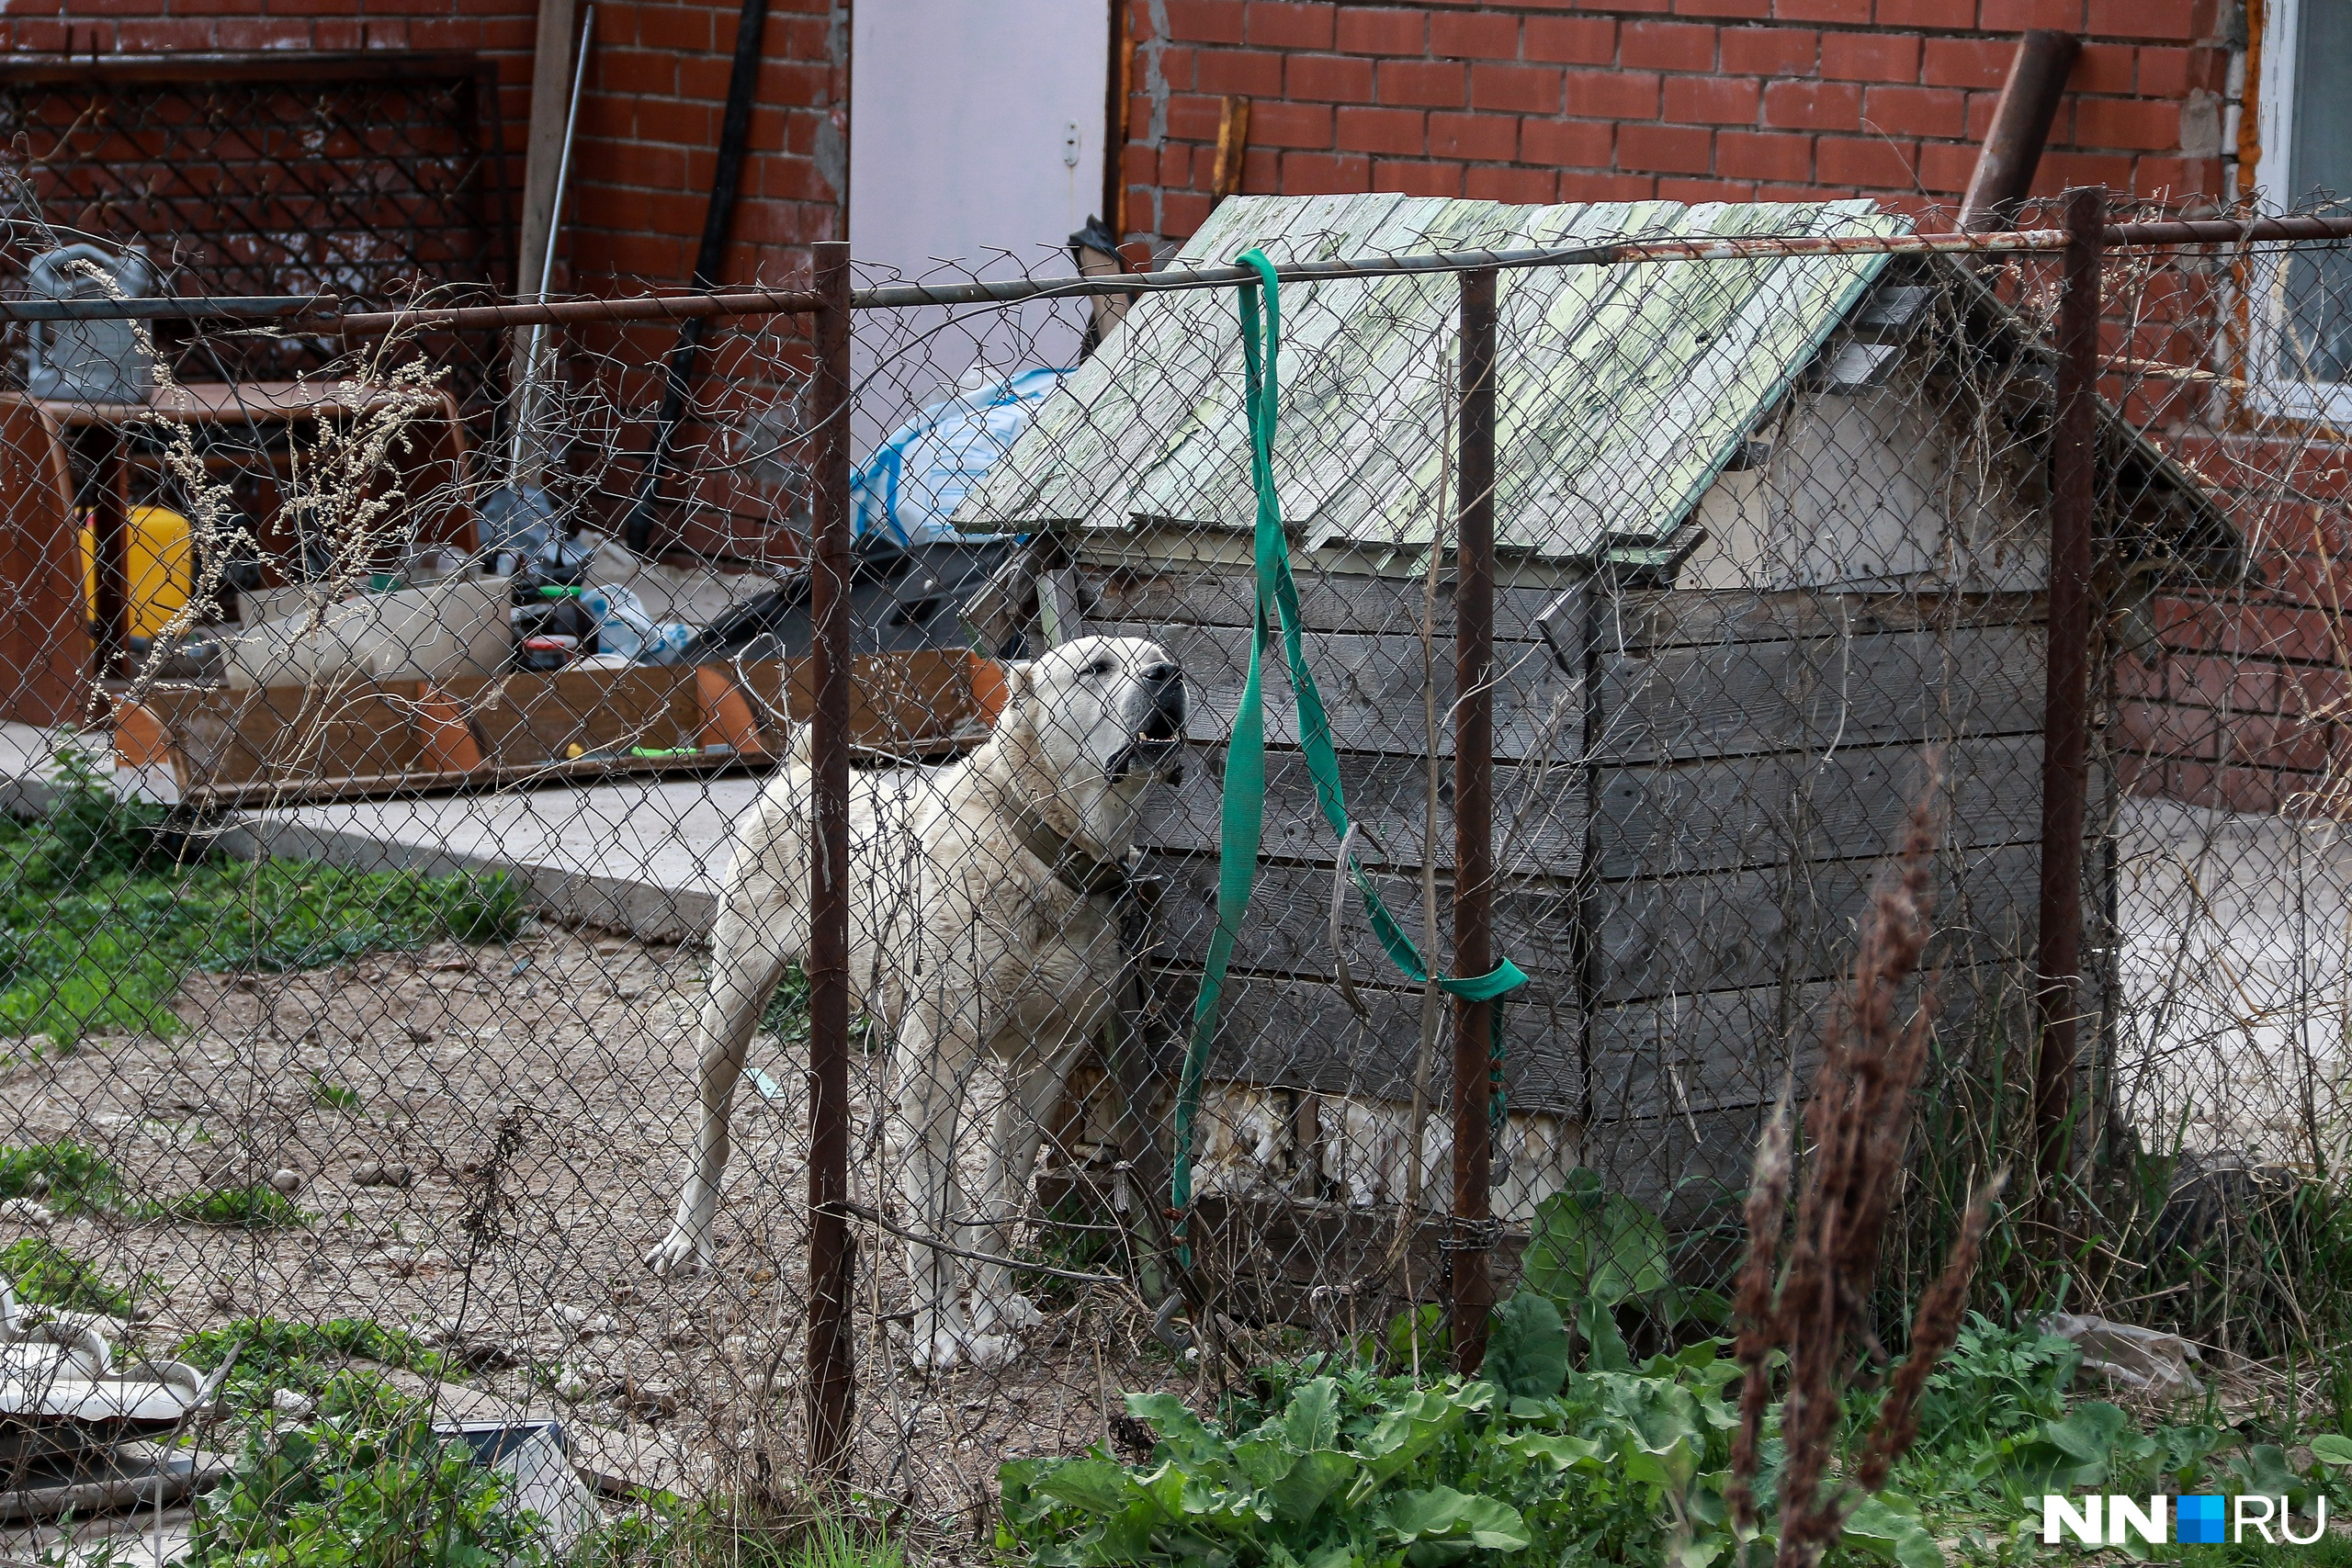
{"x":1031,"y":1094}
{"x":747,"y":961}
{"x":938,"y":1048}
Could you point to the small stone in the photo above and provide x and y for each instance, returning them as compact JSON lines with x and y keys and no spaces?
{"x":286,"y":1401}
{"x":573,"y":1384}
{"x":24,"y":1212}
{"x":367,"y":1173}
{"x":399,"y":1175}
{"x":648,"y":1401}
{"x":286,"y":1181}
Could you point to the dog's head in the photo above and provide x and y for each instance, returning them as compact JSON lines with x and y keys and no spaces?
{"x":1100,"y":710}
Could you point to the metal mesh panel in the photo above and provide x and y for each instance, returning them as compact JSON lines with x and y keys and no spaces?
{"x":402,"y":955}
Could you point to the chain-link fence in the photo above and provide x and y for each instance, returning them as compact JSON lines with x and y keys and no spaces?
{"x":498,"y":921}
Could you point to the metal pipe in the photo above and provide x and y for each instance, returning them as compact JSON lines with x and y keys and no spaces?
{"x":2226,"y":230}
{"x":526,"y":411}
{"x":2012,"y":148}
{"x":753,"y":302}
{"x":2065,"y":745}
{"x":203,"y":307}
{"x":719,"y":221}
{"x":1470,"y":1234}
{"x":831,"y":1268}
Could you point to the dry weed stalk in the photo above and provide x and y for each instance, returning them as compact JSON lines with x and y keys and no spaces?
{"x":1816,"y":1310}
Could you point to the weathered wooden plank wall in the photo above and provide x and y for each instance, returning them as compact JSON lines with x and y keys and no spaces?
{"x":1693,"y":806}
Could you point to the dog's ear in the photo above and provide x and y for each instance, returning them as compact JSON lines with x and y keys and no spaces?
{"x":1018,"y":678}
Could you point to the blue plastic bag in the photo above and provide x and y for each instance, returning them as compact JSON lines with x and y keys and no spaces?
{"x":911,"y":487}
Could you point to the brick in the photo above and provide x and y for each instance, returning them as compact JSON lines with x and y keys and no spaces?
{"x":1519,"y":187}
{"x":1475,"y":138}
{"x":1711,"y":100}
{"x":2016,"y":15}
{"x":1764,"y":155}
{"x":1261,"y":167}
{"x":1364,"y":31}
{"x":675,"y":27}
{"x":1182,"y":211}
{"x":1517,"y":89}
{"x":1812,"y":106}
{"x":1474,"y":35}
{"x":1320,"y":174}
{"x":1665,"y":148}
{"x":1667,"y":46}
{"x":1428,"y":83}
{"x":2106,"y":68}
{"x":1607,"y":187}
{"x":1769,"y":52}
{"x":1944,"y":168}
{"x":1275,"y":24}
{"x":1933,"y":16}
{"x":1567,"y":143}
{"x":1572,"y":40}
{"x":1690,"y":192}
{"x":2167,"y":19}
{"x":1273,"y":123}
{"x":1726,"y":10}
{"x":1206,"y":21}
{"x":1916,"y":112}
{"x":1417,"y":178}
{"x":1613,"y":95}
{"x":1399,"y":132}
{"x":1175,"y":67}
{"x":2136,"y":123}
{"x":1850,"y":12}
{"x":1192,"y":118}
{"x":1864,"y":161}
{"x":2061,"y":167}
{"x":1252,"y":72}
{"x":1964,"y":62}
{"x":1328,"y":78}
{"x":1869,"y":57}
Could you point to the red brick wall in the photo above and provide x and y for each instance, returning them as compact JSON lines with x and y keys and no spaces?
{"x":1689,"y":100}
{"x":649,"y":123}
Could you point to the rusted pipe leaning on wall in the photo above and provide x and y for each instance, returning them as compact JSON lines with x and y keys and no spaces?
{"x":832,"y":1265}
{"x":2012,"y":148}
{"x":2065,"y":747}
{"x":1470,"y":1232}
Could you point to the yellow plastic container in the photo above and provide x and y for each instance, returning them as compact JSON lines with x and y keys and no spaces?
{"x":159,"y":564}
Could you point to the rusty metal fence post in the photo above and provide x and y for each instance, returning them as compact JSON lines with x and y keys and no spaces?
{"x":1471,"y":1231}
{"x":2067,"y":742}
{"x":830,"y":1262}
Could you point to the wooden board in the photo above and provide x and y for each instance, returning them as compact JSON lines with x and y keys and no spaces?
{"x":1371,"y":688}
{"x":1724,"y":1050}
{"x":921,"y":703}
{"x":290,"y":737}
{"x":1153,"y":593}
{"x":1539,"y":816}
{"x":1715,"y":815}
{"x":527,"y":719}
{"x":1300,"y":1034}
{"x":1817,"y":692}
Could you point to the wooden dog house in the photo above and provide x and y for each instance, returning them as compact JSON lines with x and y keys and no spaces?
{"x":1767,"y":529}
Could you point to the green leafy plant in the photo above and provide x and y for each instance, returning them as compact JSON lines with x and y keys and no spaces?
{"x":72,"y":1178}
{"x":370,"y":1484}
{"x":1591,"y":1252}
{"x":249,"y":1206}
{"x":275,"y":1353}
{"x":45,"y":1274}
{"x":334,"y":1096}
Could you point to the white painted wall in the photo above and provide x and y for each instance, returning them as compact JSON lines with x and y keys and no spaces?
{"x":961,"y":112}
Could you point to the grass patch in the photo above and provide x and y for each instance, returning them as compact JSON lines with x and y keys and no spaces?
{"x":275,"y":1353}
{"x":251,"y":1206}
{"x":334,"y":1096}
{"x":73,"y":1177}
{"x":98,"y":926}
{"x":45,"y":1274}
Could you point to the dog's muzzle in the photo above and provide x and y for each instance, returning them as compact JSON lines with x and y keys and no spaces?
{"x":1156,"y":739}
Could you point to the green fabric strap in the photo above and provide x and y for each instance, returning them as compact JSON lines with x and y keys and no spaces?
{"x":1243,"y":823}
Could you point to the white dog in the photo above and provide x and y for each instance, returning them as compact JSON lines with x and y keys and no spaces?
{"x":982,"y":920}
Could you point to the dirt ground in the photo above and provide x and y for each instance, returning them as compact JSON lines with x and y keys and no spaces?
{"x":537,"y":1093}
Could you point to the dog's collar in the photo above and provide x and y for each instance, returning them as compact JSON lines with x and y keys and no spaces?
{"x":1073,"y":867}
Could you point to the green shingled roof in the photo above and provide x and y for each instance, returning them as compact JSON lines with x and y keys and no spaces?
{"x":1622,"y":392}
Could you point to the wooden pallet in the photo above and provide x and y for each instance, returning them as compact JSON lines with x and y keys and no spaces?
{"x":282,"y":745}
